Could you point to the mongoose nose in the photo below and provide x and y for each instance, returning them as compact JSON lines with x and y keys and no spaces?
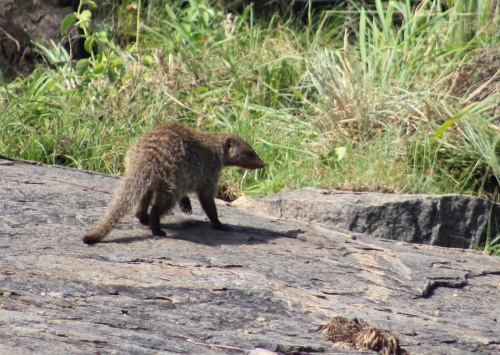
{"x":253,"y":165}
{"x":256,"y":164}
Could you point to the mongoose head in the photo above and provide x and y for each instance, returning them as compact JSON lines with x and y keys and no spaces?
{"x":237,"y":152}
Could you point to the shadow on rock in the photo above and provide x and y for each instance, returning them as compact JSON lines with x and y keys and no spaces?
{"x":200,"y":232}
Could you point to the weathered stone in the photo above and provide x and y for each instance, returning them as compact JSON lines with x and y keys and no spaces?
{"x":41,"y":20}
{"x":267,"y":284}
{"x":444,"y":220}
{"x":16,"y":55}
{"x":22,"y":21}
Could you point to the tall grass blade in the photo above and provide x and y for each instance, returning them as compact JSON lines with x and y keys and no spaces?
{"x":443,"y":127}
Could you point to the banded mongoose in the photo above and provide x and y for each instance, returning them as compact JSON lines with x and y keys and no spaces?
{"x":166,"y":164}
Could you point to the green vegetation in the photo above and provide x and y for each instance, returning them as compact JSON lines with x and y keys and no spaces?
{"x":492,"y":243}
{"x":391,"y":99}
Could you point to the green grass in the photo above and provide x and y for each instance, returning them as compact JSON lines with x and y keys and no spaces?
{"x":351,"y":100}
{"x":492,"y":243}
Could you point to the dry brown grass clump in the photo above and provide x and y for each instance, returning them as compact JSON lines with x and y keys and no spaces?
{"x":479,"y":78}
{"x":356,"y":333}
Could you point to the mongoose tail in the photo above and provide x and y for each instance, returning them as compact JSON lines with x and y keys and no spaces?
{"x":125,"y":197}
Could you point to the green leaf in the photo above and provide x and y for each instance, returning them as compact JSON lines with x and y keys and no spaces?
{"x":148,"y":59}
{"x":101,"y":57}
{"x":81,"y":66}
{"x":362,"y":38}
{"x":99,"y":69}
{"x":83,"y":18}
{"x":102,"y":37}
{"x":153,"y":32}
{"x":126,"y":76}
{"x":449,"y":122}
{"x":88,"y":44}
{"x":66,"y":24}
{"x":340,"y":152}
{"x":115,"y":62}
{"x":89,"y":3}
{"x":85,"y":15}
{"x":112,"y":75}
{"x":202,"y":89}
{"x":44,"y":87}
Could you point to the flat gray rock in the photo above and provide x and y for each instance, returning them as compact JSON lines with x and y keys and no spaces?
{"x":269,"y":283}
{"x":446,"y":220}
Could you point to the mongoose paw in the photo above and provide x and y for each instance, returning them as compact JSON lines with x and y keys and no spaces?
{"x":185,"y":205}
{"x":143,"y":219}
{"x":160,"y":233}
{"x":221,"y":227}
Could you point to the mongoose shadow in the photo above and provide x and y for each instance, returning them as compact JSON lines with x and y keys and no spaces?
{"x":200,"y":232}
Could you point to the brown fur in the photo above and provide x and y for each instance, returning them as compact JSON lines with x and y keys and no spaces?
{"x":165,"y":165}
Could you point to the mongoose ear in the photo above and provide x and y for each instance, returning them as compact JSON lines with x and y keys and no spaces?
{"x":229,"y":142}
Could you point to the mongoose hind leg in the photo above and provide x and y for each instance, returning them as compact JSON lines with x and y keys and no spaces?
{"x":208,"y":204}
{"x":154,"y":222}
{"x":141,"y":211}
{"x":185,"y":205}
{"x":162,"y":204}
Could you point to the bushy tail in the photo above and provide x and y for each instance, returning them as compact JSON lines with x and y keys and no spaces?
{"x":128,"y":193}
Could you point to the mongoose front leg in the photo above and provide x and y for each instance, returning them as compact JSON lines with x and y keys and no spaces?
{"x":185,"y":205}
{"x":208,"y":204}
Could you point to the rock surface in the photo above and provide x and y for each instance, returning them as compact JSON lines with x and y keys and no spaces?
{"x":267,"y":284}
{"x":447,"y":220}
{"x":16,"y":55}
{"x":22,"y":21}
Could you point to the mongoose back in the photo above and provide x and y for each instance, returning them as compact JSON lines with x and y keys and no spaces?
{"x":166,"y":164}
